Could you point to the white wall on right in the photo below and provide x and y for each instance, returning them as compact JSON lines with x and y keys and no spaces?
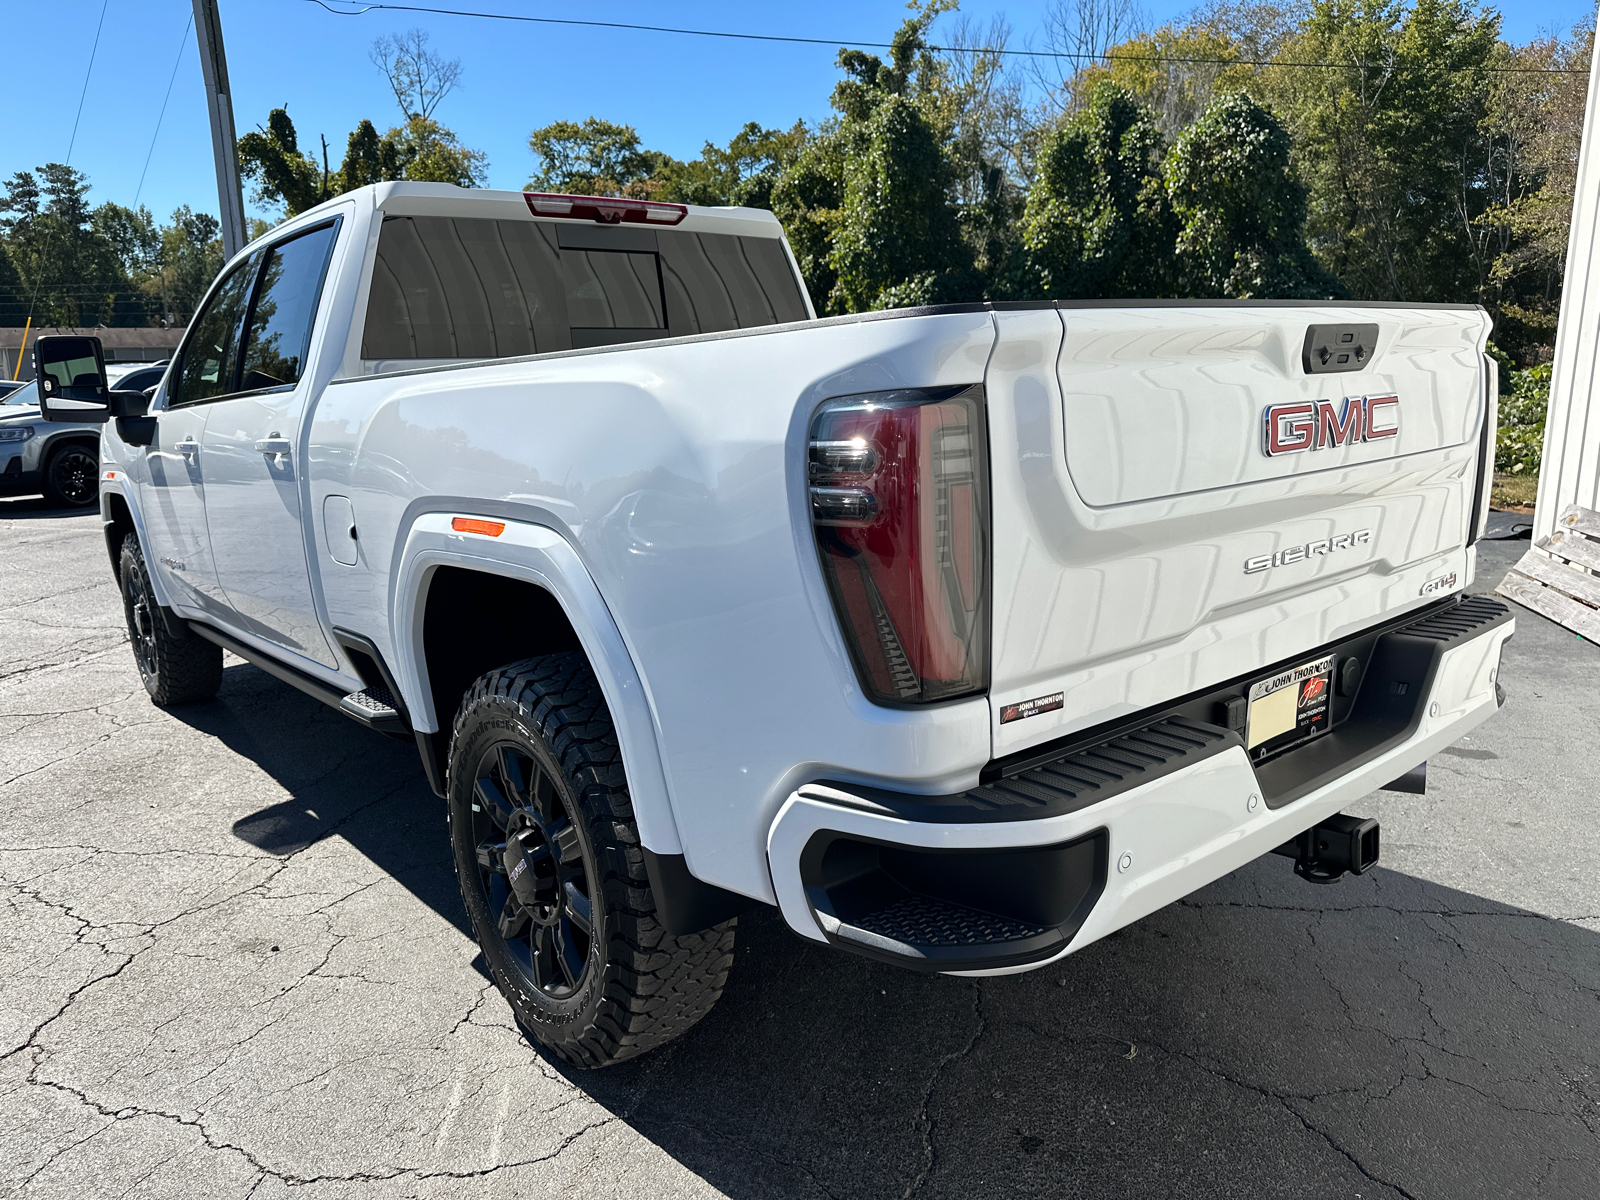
{"x":1570,"y":472}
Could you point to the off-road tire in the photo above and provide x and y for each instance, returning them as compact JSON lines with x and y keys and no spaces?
{"x":72,"y":476}
{"x":640,"y":986}
{"x":176,"y":666}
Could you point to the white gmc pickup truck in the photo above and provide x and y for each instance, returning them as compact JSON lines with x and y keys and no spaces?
{"x":962,"y":636}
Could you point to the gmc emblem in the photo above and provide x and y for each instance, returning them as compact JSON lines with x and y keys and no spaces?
{"x":1291,"y":428}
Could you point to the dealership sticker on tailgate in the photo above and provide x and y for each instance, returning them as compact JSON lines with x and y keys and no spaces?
{"x":1290,"y":705}
{"x":1031,"y":708}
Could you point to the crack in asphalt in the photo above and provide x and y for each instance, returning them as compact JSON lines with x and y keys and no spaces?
{"x":924,"y":1120}
{"x":214,"y":1143}
{"x":1285,"y":1101}
{"x":1510,"y":914}
{"x":149,"y":929}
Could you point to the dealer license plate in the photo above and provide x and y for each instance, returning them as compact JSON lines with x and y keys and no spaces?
{"x":1290,"y":706}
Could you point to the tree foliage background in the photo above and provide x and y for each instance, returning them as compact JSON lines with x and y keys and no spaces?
{"x":63,"y":263}
{"x":1364,"y":149}
{"x":1396,"y":150}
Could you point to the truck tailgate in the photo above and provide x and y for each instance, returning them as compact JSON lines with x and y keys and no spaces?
{"x":1153,"y":537}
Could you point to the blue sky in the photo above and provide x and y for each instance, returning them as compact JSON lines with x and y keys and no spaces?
{"x":678,"y":91}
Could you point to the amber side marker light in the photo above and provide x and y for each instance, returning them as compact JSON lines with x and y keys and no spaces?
{"x":474,"y":525}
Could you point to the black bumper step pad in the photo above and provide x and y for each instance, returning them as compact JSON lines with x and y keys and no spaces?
{"x":1064,"y":782}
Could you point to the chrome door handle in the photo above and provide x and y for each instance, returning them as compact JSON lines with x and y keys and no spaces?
{"x":274,"y":445}
{"x":188,"y":447}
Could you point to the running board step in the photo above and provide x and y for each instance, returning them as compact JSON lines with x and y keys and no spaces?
{"x":382,"y":717}
{"x":371,"y":706}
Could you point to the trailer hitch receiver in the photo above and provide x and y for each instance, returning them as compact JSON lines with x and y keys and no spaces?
{"x":1340,"y":846}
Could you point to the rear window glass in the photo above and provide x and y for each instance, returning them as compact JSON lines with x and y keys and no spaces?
{"x":449,"y":289}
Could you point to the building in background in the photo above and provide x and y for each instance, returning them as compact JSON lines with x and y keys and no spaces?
{"x":121,"y":345}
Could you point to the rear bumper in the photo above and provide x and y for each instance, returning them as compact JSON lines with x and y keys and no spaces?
{"x":1113,"y":851}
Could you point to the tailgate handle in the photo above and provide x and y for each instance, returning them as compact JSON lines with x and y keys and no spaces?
{"x":1331,"y":348}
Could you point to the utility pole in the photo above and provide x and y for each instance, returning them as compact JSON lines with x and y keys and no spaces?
{"x":219,"y":101}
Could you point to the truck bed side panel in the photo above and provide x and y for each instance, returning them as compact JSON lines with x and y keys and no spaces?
{"x":676,"y":470}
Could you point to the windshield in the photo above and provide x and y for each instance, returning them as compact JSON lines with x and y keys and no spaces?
{"x":27,"y":394}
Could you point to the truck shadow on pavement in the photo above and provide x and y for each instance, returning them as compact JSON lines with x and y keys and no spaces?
{"x":1384,"y":1037}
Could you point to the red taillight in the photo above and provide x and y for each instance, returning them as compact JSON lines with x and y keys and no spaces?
{"x":899,"y":489}
{"x":608,"y":210}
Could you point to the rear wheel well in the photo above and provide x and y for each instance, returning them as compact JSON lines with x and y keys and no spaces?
{"x":118,"y":527}
{"x":474,"y":622}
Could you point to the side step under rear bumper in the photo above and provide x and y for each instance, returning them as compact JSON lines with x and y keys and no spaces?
{"x":1112,"y":831}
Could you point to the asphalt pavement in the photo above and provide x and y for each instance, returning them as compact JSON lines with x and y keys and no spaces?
{"x":233,"y":962}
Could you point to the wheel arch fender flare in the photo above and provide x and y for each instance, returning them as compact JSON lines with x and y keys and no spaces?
{"x":55,"y":440}
{"x":539,"y":555}
{"x":114,"y":482}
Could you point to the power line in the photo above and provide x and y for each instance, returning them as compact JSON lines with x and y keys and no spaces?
{"x":71,"y":142}
{"x":813,"y":41}
{"x":83,"y":95}
{"x":183,"y":44}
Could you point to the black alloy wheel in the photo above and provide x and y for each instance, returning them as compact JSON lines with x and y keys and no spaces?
{"x":72,"y":477}
{"x":137,"y":606}
{"x":534,"y":870}
{"x":175,"y":665}
{"x":552,"y":870}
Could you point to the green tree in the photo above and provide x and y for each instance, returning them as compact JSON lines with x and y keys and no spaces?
{"x":898,"y":241}
{"x":594,"y":157}
{"x":421,"y":149}
{"x":1535,"y":126}
{"x":876,"y":188}
{"x":1097,"y":222}
{"x":1391,"y":147}
{"x":189,"y":259}
{"x":807,"y":198}
{"x":427,"y":152}
{"x":1241,"y":213}
{"x":67,"y":272}
{"x":283,"y":175}
{"x":742,"y":173}
{"x":133,"y":236}
{"x":368,"y":158}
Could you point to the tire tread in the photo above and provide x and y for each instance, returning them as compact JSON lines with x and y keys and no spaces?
{"x":657,"y":985}
{"x":188,"y":668}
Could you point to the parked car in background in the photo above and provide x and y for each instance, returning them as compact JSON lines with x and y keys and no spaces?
{"x":62,"y":461}
{"x":135,"y":377}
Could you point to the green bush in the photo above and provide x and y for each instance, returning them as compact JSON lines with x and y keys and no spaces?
{"x":1520,"y":439}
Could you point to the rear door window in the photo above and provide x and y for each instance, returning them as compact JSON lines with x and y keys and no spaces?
{"x":279,"y":332}
{"x":458,"y":289}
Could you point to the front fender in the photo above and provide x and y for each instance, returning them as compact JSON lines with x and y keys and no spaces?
{"x":541,"y":556}
{"x":114,"y":481}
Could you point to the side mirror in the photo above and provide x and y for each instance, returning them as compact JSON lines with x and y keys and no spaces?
{"x":72,"y":379}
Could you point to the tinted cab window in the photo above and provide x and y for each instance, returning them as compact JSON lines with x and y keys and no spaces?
{"x":279,"y":332}
{"x":454,"y":289}
{"x":210,"y":358}
{"x":255,"y":332}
